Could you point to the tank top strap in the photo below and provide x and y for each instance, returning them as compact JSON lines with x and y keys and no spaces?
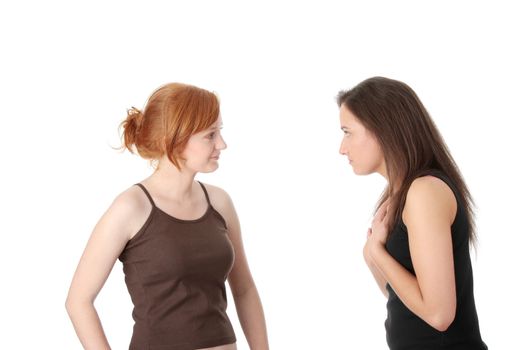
{"x":147,"y":193}
{"x":442,"y":176}
{"x":205,"y":192}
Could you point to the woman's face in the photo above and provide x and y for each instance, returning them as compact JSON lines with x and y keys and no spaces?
{"x":203,"y":149}
{"x":360,"y":146}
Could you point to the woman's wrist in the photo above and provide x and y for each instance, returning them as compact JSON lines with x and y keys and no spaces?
{"x":376,"y":250}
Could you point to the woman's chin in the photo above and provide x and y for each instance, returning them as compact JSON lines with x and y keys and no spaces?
{"x":210,"y":167}
{"x":360,"y":172}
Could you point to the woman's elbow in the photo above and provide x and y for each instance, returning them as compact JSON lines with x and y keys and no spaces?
{"x":76,"y":304}
{"x":243,"y":291}
{"x":70,"y":305}
{"x":442,"y":319}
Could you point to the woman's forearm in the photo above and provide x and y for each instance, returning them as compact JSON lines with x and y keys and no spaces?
{"x":251,"y":318}
{"x":87,"y":325}
{"x":406,"y":286}
{"x":378,"y":276}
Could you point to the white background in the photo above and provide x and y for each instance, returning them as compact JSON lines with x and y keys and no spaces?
{"x":69,"y":70}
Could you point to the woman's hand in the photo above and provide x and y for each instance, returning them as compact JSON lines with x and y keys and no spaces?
{"x":366,"y":248}
{"x":367,"y":253}
{"x":378,"y":233}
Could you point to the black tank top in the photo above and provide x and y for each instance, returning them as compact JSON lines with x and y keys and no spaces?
{"x":175,"y":272}
{"x":405,"y":330}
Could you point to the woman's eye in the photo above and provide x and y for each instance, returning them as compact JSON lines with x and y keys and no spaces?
{"x":211,"y":135}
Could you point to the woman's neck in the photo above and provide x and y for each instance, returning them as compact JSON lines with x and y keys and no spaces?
{"x":174,"y":183}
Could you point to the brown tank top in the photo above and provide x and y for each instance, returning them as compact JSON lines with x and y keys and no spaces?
{"x":175,"y":272}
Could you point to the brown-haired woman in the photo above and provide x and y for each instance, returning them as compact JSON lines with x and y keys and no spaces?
{"x":418,"y":246}
{"x":178,"y":239}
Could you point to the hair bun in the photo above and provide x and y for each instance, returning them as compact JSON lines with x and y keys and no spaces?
{"x":131,"y":127}
{"x":135,"y":115}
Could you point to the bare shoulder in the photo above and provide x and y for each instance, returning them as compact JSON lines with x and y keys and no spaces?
{"x":427,"y":195}
{"x":131,"y":201}
{"x":129,"y":210}
{"x":219,"y":199}
{"x":429,"y":187}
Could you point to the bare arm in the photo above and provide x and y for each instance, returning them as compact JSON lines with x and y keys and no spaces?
{"x":431,"y":293}
{"x":107,"y":241}
{"x":376,"y":273}
{"x":244,"y":291}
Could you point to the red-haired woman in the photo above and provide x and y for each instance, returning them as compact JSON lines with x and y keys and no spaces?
{"x":178,"y":239}
{"x":418,"y":246}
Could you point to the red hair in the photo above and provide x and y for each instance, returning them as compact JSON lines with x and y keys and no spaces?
{"x":173,"y":113}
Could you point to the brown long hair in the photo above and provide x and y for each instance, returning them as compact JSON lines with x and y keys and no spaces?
{"x":172,"y":114}
{"x":411,"y":143}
